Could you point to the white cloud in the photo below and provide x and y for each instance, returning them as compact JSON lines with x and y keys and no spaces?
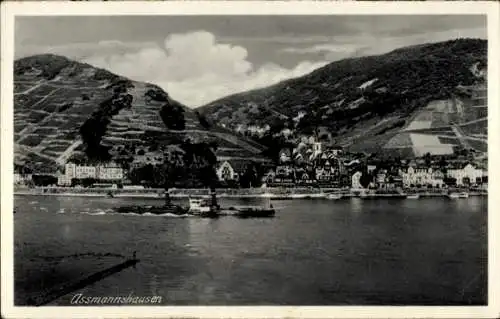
{"x":212,"y":86}
{"x":194,"y":69}
{"x":318,"y":48}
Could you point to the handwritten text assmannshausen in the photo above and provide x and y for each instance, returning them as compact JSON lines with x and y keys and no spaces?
{"x":80,"y":299}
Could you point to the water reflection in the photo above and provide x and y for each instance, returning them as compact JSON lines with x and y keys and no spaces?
{"x":356,"y":205}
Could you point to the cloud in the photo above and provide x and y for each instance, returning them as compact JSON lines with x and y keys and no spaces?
{"x":365,"y":44}
{"x":194,"y":69}
{"x":212,"y":86}
{"x":83,"y":50}
{"x":318,"y":48}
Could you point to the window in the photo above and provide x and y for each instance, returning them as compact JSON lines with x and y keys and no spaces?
{"x":226,"y":173}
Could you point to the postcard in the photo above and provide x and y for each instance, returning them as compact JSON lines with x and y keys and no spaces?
{"x":250,"y":159}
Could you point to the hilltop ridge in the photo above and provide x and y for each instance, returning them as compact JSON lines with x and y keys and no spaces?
{"x":66,"y":110}
{"x":369,"y":103}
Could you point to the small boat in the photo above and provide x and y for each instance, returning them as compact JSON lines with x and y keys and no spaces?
{"x":453,"y":195}
{"x":334,"y":196}
{"x":198,"y":206}
{"x":155,"y":210}
{"x":254,"y":212}
{"x":203,"y":207}
{"x":463,"y":195}
{"x":413,"y":196}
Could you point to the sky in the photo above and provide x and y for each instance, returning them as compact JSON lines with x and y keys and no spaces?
{"x":198,"y":59}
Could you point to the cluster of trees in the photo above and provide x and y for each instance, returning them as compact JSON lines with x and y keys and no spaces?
{"x":101,"y":74}
{"x":273,"y":144}
{"x":148,"y":175}
{"x":203,"y":120}
{"x":189,"y":165}
{"x":157,"y":94}
{"x":44,"y":180}
{"x":252,"y":176}
{"x":94,"y":128}
{"x":50,"y":65}
{"x":172,"y":115}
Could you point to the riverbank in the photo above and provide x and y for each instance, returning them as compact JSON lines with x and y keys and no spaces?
{"x":271,"y":193}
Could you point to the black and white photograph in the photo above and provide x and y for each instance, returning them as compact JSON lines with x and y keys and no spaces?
{"x":266,"y":159}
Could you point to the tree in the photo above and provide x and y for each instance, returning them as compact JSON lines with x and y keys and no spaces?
{"x":450,"y":181}
{"x":428,"y":159}
{"x":277,"y":126}
{"x":144,"y":174}
{"x":44,"y":180}
{"x":153,"y":147}
{"x":203,"y":120}
{"x":250,"y":178}
{"x":173,"y":116}
{"x":365,"y":180}
{"x":442,"y":162}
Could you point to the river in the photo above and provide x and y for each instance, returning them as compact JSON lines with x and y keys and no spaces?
{"x":431,"y":251}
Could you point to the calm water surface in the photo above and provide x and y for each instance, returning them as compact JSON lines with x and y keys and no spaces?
{"x":315,"y":252}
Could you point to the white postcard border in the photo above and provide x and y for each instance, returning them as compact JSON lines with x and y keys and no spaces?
{"x":11,"y":9}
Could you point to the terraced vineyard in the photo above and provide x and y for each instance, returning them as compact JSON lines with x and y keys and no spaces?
{"x":60,"y":106}
{"x":442,"y":126}
{"x":48,"y":112}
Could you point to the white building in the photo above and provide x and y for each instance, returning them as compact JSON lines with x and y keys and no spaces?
{"x":108,"y":171}
{"x":371,"y":168}
{"x":225,"y":172}
{"x":84,"y":171}
{"x":466,"y":175}
{"x":355,"y":180}
{"x":21,"y":179}
{"x":317,"y":148}
{"x":380,"y":178}
{"x":63,"y":180}
{"x":424,"y":176}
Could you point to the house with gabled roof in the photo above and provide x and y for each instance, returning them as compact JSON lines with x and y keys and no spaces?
{"x":467,"y":174}
{"x":230,"y":170}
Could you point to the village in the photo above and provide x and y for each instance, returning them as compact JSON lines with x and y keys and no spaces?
{"x":309,"y":164}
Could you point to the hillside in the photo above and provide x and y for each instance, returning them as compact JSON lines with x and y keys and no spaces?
{"x":413,"y":100}
{"x":65,"y":109}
